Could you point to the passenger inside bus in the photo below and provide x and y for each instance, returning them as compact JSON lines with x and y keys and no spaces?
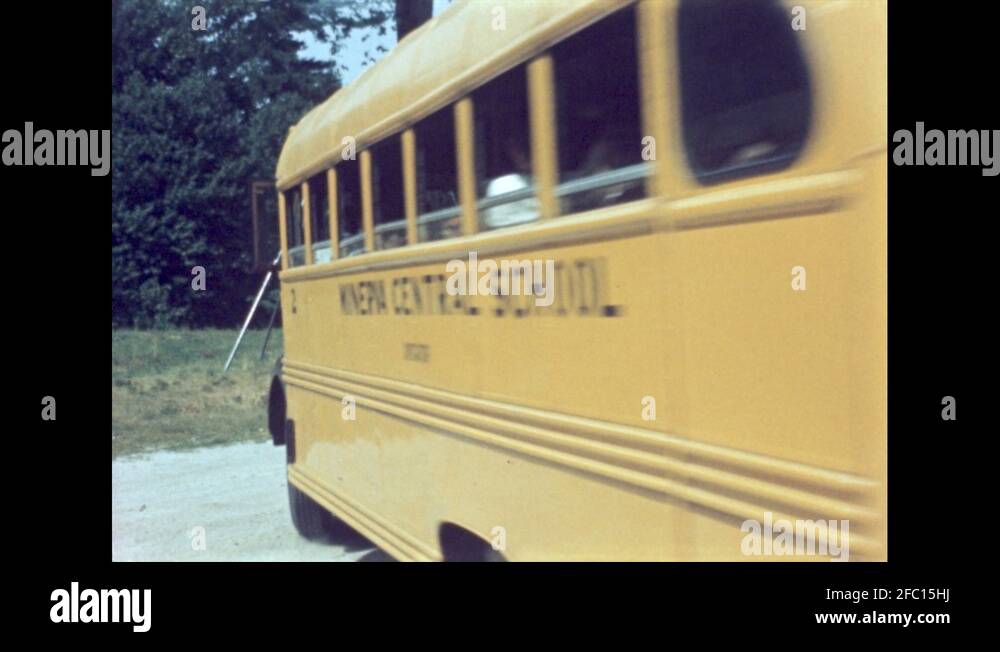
{"x":613,"y":147}
{"x":597,"y":114}
{"x":517,"y":177}
{"x":503,"y":160}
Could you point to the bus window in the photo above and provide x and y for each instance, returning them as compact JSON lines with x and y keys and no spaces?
{"x":294,"y":227}
{"x":505,"y":189}
{"x":387,"y":194}
{"x":264,"y":210}
{"x":350,"y":228}
{"x":320,"y":218}
{"x":437,"y":177}
{"x":597,"y":110}
{"x":745,"y":104}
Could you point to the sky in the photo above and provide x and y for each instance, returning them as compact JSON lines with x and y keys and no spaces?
{"x":356,"y":50}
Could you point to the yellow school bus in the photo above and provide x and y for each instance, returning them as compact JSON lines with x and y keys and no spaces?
{"x":700,"y":188}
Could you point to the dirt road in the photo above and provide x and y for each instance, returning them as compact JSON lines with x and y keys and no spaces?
{"x":232,"y":499}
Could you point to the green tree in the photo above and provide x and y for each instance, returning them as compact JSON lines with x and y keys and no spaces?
{"x":196,"y":115}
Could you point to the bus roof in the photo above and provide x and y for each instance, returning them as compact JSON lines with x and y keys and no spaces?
{"x":434,"y":65}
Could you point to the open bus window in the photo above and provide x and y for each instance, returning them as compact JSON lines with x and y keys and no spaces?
{"x":598,"y":116}
{"x":505,"y":189}
{"x":264,"y":211}
{"x":745,"y":98}
{"x":387,"y":194}
{"x":349,"y":225}
{"x":438,"y":210}
{"x":319,"y":207}
{"x":294,"y":227}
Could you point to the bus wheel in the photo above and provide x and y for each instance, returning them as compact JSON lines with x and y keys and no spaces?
{"x":459,"y":544}
{"x":309,"y":518}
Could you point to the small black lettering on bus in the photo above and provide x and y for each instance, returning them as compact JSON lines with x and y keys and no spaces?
{"x":416,"y":352}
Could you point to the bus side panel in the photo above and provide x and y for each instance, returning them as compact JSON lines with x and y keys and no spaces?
{"x":785,"y":340}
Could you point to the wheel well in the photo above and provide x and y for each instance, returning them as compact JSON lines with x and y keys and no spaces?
{"x":276,"y":412}
{"x":460,"y":544}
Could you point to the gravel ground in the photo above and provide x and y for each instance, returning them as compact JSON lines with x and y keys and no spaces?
{"x":235,"y":493}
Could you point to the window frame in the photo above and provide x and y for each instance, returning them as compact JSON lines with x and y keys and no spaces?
{"x":316,"y":213}
{"x":643,"y":171}
{"x":413,"y":142}
{"x":402,"y":221}
{"x":289,"y":249}
{"x":658,"y":103}
{"x":334,"y":178}
{"x":752,"y":169}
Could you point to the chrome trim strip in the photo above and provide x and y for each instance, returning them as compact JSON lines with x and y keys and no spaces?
{"x":734,"y":482}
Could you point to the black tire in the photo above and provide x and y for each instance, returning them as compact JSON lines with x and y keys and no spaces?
{"x":459,"y":544}
{"x":309,"y":518}
{"x":493,"y":556}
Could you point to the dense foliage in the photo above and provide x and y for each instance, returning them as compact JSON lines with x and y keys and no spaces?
{"x":197,"y":115}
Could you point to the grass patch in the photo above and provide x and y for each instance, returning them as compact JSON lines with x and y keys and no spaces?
{"x":168,"y":390}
